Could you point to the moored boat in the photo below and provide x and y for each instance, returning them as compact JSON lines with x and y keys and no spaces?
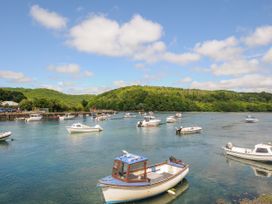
{"x":178,"y":115}
{"x":171,"y":119}
{"x":67,"y":116}
{"x":132,"y":180}
{"x":80,"y":128}
{"x":129,"y":115}
{"x":34,"y":117}
{"x":188,"y":130}
{"x":251,"y":119}
{"x":148,"y":121}
{"x":4,"y":135}
{"x":261,"y":152}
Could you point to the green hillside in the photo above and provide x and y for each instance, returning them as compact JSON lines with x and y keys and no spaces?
{"x":42,"y":93}
{"x":177,"y":99}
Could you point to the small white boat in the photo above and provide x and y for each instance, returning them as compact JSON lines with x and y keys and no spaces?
{"x":261,"y":152}
{"x":129,"y":115}
{"x":171,"y":119}
{"x":148,"y":121}
{"x":132,"y":180}
{"x":67,"y":116}
{"x":20,"y":118}
{"x":80,"y":128}
{"x":188,"y":130}
{"x":34,"y":117}
{"x":102,"y":117}
{"x":4,"y":135}
{"x":178,"y":115}
{"x":251,"y":119}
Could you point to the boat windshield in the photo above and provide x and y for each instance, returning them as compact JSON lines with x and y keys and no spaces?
{"x":129,"y":172}
{"x":262,"y":150}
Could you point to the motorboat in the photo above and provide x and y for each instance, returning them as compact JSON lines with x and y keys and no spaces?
{"x":148,"y":121}
{"x":251,"y":119}
{"x":80,"y":128}
{"x":34,"y":117}
{"x":132,"y":179}
{"x":129,"y":115}
{"x":67,"y":116}
{"x":5,"y":135}
{"x":261,"y":152}
{"x":178,"y":115}
{"x":20,"y":118}
{"x":188,"y":130}
{"x":171,"y":119}
{"x":102,"y":117}
{"x":260,"y":169}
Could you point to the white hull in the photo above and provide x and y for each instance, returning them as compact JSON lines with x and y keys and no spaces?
{"x":251,"y":120}
{"x":66,"y":117}
{"x":117,"y":194}
{"x":75,"y":130}
{"x":33,"y":119}
{"x":189,"y":130}
{"x":4,"y":136}
{"x":249,"y":156}
{"x":151,"y":123}
{"x":171,"y":120}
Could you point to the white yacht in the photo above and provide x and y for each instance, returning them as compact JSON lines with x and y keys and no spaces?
{"x":80,"y":128}
{"x":261,"y":152}
{"x":148,"y":121}
{"x":34,"y":117}
{"x":251,"y":119}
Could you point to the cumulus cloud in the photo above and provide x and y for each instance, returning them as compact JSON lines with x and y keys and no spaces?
{"x":261,"y":36}
{"x":66,"y":69}
{"x":138,"y":39}
{"x":186,"y":80}
{"x":236,"y":67}
{"x":268,"y":56}
{"x":219,"y":49}
{"x":251,"y":82}
{"x":88,"y":73}
{"x":48,"y":19}
{"x":16,"y":77}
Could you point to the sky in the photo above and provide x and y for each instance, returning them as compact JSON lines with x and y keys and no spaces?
{"x":91,"y":46}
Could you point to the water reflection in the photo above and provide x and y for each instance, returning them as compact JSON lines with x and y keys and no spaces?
{"x":4,"y":144}
{"x":168,"y":197}
{"x":260,"y":169}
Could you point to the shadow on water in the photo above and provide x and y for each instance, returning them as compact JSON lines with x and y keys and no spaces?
{"x":259,"y":169}
{"x":4,"y":144}
{"x":166,"y":198}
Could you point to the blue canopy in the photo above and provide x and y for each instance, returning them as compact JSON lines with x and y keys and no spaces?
{"x":131,"y":158}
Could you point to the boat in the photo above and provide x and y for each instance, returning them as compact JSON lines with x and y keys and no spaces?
{"x":171,"y":119}
{"x":4,"y":135}
{"x":67,"y":116}
{"x":102,"y":117}
{"x":34,"y":117}
{"x":148,"y":121}
{"x":260,"y":169}
{"x":188,"y":130}
{"x":261,"y":152}
{"x":251,"y":119}
{"x":178,"y":115}
{"x":129,"y":115}
{"x":132,"y":180}
{"x":80,"y":128}
{"x":20,"y":118}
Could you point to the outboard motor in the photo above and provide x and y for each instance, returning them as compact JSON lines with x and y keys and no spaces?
{"x":139,"y":124}
{"x":229,"y":145}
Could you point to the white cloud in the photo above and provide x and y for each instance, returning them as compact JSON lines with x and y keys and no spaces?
{"x":138,"y":39}
{"x":120,"y":83}
{"x":66,"y":69}
{"x":88,"y":73}
{"x":251,"y":82}
{"x":181,"y":59}
{"x":140,"y":66}
{"x":12,"y":76}
{"x":48,"y":19}
{"x":236,"y":67}
{"x":186,"y":80}
{"x":261,"y":36}
{"x":268,"y":56}
{"x":219,"y":49}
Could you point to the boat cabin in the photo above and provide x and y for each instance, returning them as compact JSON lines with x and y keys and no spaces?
{"x":149,"y":117}
{"x":263,"y":149}
{"x":130,"y":168}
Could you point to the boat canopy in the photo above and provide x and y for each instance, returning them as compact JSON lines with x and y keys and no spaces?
{"x":131,"y":158}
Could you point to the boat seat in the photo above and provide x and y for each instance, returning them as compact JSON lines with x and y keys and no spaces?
{"x":155,"y":177}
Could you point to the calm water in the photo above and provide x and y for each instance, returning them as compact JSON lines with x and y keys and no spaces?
{"x":46,"y":165}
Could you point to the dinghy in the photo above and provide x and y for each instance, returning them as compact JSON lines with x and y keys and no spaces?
{"x":178,"y":115}
{"x":188,"y":130}
{"x":171,"y":119}
{"x":80,"y":128}
{"x":4,"y":135}
{"x":132,"y":180}
{"x":67,"y":116}
{"x":34,"y":117}
{"x":261,"y":152}
{"x":251,"y":119}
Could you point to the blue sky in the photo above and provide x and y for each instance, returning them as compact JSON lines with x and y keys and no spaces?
{"x":94,"y":46}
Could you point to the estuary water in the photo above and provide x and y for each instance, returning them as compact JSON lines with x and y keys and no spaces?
{"x":44,"y":164}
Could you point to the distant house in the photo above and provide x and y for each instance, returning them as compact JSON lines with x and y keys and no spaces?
{"x":9,"y":103}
